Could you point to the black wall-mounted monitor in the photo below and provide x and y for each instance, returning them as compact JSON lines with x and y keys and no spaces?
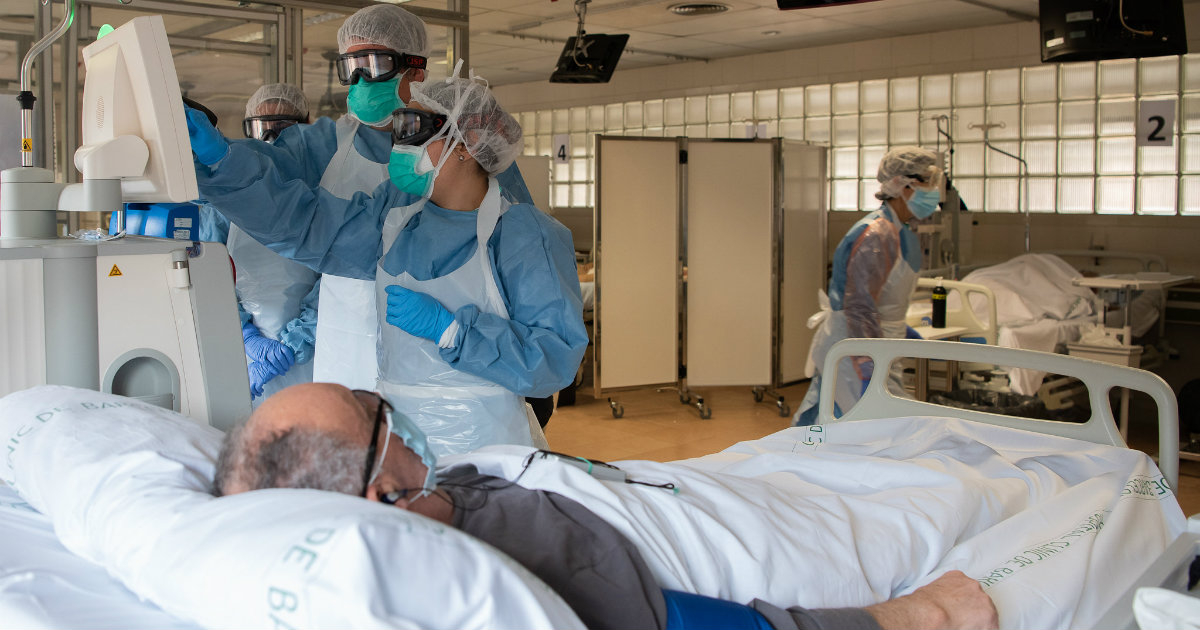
{"x":593,"y":63}
{"x":812,"y":4}
{"x":1086,"y":30}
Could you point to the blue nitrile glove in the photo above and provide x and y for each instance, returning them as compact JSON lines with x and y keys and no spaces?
{"x":416,"y":313}
{"x":911,"y":333}
{"x":259,"y":348}
{"x":260,"y":373}
{"x":208,"y":144}
{"x":865,"y":382}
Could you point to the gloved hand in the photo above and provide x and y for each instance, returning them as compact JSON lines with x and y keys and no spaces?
{"x":260,"y":373}
{"x":911,"y":333}
{"x":259,"y":348}
{"x":208,"y":144}
{"x":417,"y":313}
{"x":865,"y":382}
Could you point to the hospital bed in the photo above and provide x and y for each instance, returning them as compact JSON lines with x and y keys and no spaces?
{"x":1041,"y":304}
{"x":43,"y":583}
{"x":1170,"y":569}
{"x":970,"y":315}
{"x":1101,"y":428}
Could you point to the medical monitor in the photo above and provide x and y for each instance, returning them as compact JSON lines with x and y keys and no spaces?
{"x":1086,"y":30}
{"x":593,"y":62}
{"x":131,"y":89}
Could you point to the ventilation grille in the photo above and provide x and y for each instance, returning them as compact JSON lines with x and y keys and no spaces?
{"x":698,"y":8}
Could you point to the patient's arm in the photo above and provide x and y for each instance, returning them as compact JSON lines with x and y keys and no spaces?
{"x":953,"y":601}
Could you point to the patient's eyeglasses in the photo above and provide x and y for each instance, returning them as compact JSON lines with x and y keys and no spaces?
{"x":382,"y":412}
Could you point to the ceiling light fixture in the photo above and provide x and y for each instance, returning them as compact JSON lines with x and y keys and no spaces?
{"x":698,"y":8}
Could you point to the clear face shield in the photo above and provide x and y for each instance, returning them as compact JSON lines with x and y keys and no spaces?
{"x":927,"y":192}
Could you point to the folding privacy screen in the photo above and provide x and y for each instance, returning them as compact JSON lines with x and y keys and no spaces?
{"x":709,"y":255}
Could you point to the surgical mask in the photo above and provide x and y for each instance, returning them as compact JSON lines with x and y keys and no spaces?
{"x":412,"y":171}
{"x":924,"y":202}
{"x":374,"y":102}
{"x":414,"y":439}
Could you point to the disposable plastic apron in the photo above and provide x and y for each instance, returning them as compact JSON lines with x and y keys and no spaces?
{"x":347,"y":326}
{"x":270,"y":288}
{"x":892,"y":306}
{"x":457,"y":411}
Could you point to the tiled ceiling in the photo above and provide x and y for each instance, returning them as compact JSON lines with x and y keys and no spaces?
{"x":514,"y":41}
{"x":517,"y":41}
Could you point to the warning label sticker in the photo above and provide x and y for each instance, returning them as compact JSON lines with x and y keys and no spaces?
{"x":115,"y":272}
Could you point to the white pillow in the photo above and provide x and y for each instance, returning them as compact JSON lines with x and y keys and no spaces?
{"x":128,"y":486}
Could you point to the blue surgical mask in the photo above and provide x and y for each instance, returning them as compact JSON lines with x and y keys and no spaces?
{"x":924,"y":202}
{"x":374,"y":102}
{"x":414,"y":439}
{"x":411,"y":170}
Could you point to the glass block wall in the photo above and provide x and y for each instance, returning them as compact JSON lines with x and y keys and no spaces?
{"x":1073,"y":123}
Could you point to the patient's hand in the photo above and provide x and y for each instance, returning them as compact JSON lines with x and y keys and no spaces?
{"x":953,"y":601}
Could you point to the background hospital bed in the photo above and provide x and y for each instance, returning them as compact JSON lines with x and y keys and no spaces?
{"x":1041,"y":305}
{"x":975,"y":322}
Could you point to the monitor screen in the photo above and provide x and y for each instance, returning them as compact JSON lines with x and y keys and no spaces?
{"x":1084,"y":30}
{"x":593,"y":62}
{"x":131,"y":89}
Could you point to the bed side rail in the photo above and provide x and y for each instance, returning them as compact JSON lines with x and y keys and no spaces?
{"x":964,"y":315}
{"x":1148,"y":262}
{"x":878,"y":402}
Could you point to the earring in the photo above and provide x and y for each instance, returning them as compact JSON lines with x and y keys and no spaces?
{"x":461,"y":158}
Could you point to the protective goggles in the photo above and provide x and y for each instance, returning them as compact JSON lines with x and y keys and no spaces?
{"x":267,"y":128}
{"x":374,"y":65}
{"x":415,"y":126}
{"x":935,"y":180}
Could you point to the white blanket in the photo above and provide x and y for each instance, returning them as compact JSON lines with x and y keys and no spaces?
{"x":855,"y":513}
{"x":1037,"y":308}
{"x":843,"y":515}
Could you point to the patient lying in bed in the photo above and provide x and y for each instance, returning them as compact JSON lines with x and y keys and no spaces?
{"x":847,"y":515}
{"x":317,"y":436}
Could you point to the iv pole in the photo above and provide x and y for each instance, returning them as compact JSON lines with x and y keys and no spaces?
{"x":1022,"y":183}
{"x":26,"y":97}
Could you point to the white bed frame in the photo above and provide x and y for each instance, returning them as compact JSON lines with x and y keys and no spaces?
{"x":964,"y":315}
{"x":1146,"y":262}
{"x":879,"y":402}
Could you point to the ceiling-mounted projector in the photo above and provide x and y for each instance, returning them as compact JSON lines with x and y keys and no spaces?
{"x":589,"y":58}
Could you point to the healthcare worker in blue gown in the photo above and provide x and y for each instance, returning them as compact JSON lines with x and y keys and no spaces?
{"x":277,"y":297}
{"x":874,"y":272}
{"x":383,"y":49}
{"x":478,"y":297}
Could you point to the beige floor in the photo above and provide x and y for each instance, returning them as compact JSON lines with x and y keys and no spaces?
{"x":656,"y":426}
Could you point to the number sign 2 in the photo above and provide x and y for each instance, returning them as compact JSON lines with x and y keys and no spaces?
{"x":1156,"y":123}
